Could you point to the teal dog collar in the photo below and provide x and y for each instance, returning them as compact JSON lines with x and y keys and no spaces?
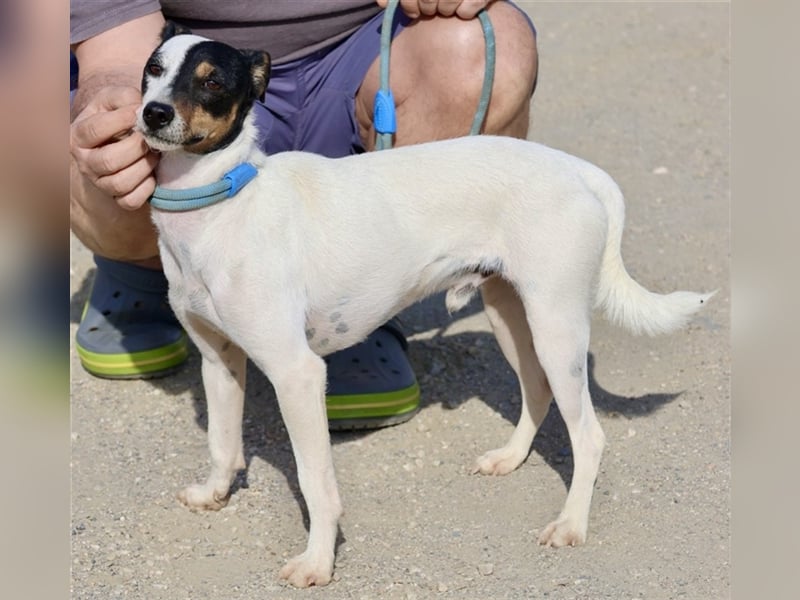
{"x":206,"y":195}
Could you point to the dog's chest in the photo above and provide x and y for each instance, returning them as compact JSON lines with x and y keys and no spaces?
{"x":185,"y":256}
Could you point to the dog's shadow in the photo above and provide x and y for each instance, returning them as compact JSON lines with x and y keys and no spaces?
{"x":469,"y":361}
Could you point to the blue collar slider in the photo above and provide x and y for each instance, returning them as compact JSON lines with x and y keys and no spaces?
{"x":200,"y":197}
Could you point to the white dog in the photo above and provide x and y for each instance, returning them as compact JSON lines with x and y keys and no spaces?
{"x":311,"y":254}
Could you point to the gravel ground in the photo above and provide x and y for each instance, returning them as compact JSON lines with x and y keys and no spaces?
{"x":641,"y":89}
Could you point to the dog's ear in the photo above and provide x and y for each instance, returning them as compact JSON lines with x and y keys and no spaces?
{"x":172,"y":29}
{"x":260,"y":65}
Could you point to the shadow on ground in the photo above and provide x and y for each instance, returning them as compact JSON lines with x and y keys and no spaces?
{"x":470,"y":362}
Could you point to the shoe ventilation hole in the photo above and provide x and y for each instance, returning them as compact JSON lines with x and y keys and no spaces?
{"x":384,"y":360}
{"x":378,"y":344}
{"x":395,"y":371}
{"x":137,"y":304}
{"x":116,"y":294}
{"x":93,"y":328}
{"x":355,"y":361}
{"x":106,"y":312}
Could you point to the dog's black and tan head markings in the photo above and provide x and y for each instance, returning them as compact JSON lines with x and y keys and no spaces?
{"x":196,"y":92}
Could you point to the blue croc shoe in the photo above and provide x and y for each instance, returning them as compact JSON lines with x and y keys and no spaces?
{"x":371,"y":384}
{"x":128,"y":330}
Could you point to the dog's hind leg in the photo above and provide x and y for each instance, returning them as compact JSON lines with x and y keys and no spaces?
{"x":561,"y":329}
{"x":507,"y":317}
{"x":223,"y":369}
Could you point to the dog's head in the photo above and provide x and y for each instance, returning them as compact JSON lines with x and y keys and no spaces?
{"x":197,"y":92}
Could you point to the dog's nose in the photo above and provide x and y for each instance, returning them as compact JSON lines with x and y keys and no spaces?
{"x":157,"y":115}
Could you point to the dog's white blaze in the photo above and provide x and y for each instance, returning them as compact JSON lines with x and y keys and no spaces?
{"x":159,"y":89}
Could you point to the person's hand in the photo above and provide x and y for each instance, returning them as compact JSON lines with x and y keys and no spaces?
{"x":108,"y":153}
{"x":465,"y":9}
{"x":111,"y":175}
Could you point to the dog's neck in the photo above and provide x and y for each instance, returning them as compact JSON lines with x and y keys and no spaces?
{"x":179,"y":169}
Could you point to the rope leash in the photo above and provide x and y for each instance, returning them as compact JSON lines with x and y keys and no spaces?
{"x":385,"y":117}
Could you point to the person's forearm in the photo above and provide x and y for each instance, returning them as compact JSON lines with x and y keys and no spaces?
{"x":111,"y":166}
{"x":92,"y":84}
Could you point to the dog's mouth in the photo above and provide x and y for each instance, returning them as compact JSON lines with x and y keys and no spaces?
{"x":163,"y":143}
{"x":158,"y":143}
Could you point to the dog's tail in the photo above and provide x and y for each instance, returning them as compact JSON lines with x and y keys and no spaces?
{"x":621,"y":298}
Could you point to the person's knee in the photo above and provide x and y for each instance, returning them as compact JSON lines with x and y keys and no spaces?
{"x":444,"y":59}
{"x":516,"y":70}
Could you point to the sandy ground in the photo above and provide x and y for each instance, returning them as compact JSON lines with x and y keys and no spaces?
{"x":641,"y":89}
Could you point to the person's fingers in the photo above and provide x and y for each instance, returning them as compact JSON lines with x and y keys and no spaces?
{"x":468,"y":9}
{"x":132,"y":186}
{"x":465,"y":9}
{"x":137,"y":197}
{"x":409,"y":7}
{"x":428,"y":7}
{"x":102,"y":127}
{"x":447,"y":8}
{"x":117,"y":96}
{"x":111,"y":158}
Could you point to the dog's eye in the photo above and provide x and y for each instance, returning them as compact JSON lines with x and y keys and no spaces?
{"x":154,"y":69}
{"x":212,"y":85}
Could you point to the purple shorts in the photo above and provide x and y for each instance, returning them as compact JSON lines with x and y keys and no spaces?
{"x":310,"y":102}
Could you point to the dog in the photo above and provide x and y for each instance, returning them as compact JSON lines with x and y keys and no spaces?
{"x":311,"y":254}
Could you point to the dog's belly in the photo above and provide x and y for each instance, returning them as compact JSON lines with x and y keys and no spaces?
{"x":346,"y":319}
{"x":337,"y":327}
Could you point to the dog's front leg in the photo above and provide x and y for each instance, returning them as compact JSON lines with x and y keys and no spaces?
{"x":300,"y":386}
{"x":223,"y":369}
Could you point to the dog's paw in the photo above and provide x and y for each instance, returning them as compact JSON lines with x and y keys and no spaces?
{"x":498,"y":462}
{"x":305,"y":570}
{"x":562,"y":532}
{"x":202,"y":497}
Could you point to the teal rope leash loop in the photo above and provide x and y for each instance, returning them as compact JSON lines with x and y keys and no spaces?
{"x":385,"y":117}
{"x":488,"y":73}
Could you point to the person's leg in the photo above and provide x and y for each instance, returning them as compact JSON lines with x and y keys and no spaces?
{"x":437,"y":69}
{"x":127,"y":328}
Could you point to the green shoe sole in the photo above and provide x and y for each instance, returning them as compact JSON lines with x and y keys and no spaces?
{"x":371,"y":411}
{"x":135,"y":365}
{"x":127,"y":329}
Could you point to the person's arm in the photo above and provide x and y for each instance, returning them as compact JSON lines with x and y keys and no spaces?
{"x":115,"y":57}
{"x":111,"y":168}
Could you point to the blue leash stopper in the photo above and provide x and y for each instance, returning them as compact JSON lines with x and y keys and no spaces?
{"x":239,"y":177}
{"x":385,"y":118}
